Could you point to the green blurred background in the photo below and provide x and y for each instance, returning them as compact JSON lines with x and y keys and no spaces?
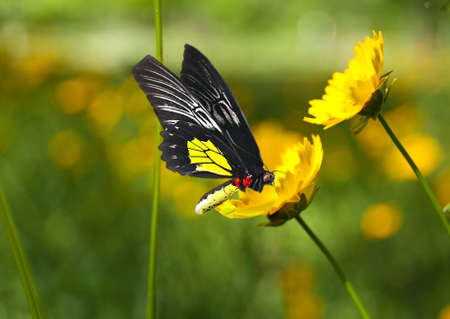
{"x":76,"y":152}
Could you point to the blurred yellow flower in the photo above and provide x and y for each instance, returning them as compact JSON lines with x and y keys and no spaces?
{"x":339,"y":164}
{"x":425,"y":150}
{"x":106,"y":110}
{"x":297,"y":277}
{"x":303,"y":305}
{"x":442,"y":187}
{"x":183,"y":191}
{"x":272,"y":136}
{"x":300,"y":164}
{"x":136,"y":156}
{"x":347,"y":93}
{"x":407,"y":118}
{"x":373,"y":138}
{"x":135,"y":103}
{"x":445,"y":313}
{"x":35,"y":69}
{"x":147,"y":125}
{"x":4,"y":58}
{"x":66,"y":148}
{"x":75,"y":94}
{"x":381,"y":221}
{"x":185,"y":195}
{"x":300,"y":301}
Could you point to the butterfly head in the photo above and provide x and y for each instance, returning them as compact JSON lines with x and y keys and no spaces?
{"x":268,"y":177}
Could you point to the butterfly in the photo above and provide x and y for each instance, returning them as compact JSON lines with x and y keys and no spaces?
{"x":205,"y":134}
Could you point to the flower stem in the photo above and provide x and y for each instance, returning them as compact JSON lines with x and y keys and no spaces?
{"x":151,"y":292}
{"x":337,"y":268}
{"x":31,"y":292}
{"x":419,"y":175}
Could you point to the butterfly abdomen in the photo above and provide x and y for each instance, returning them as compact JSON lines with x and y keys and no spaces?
{"x":216,"y":197}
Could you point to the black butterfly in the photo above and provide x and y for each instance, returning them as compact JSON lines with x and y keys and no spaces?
{"x":205,"y":133}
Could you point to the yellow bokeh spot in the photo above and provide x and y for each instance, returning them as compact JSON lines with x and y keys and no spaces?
{"x":135,"y":101}
{"x":4,"y":57}
{"x":147,"y":125}
{"x":35,"y":69}
{"x":300,"y":301}
{"x":297,"y":277}
{"x":304,"y":305}
{"x":406,"y":118}
{"x":374,"y":140}
{"x":186,"y":195}
{"x":66,"y":148}
{"x":106,"y":110}
{"x":75,"y":94}
{"x":136,"y":156}
{"x":381,"y":221}
{"x":442,"y":187}
{"x":272,"y":140}
{"x":423,"y":149}
{"x":445,"y":313}
{"x":183,"y":191}
{"x":340,"y":164}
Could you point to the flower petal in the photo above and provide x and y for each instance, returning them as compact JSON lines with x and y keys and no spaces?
{"x":348,"y":92}
{"x":300,"y":164}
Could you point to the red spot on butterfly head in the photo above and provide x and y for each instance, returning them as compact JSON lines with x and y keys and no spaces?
{"x":247,"y":181}
{"x":237,"y":181}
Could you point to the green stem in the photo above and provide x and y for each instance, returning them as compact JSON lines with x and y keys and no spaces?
{"x":337,"y":268}
{"x":151,"y":292}
{"x":419,"y":175}
{"x":31,"y":292}
{"x":158,"y":31}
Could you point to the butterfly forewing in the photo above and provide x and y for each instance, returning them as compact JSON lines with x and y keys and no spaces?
{"x":207,"y":86}
{"x":170,"y":99}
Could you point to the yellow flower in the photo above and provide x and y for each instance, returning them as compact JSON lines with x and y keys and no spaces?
{"x":300,"y":164}
{"x":347,"y":93}
{"x":397,"y":168}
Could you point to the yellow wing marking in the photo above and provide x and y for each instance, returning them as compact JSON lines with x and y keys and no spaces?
{"x":208,"y":157}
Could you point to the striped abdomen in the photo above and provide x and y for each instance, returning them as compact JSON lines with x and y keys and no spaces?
{"x":215,"y":197}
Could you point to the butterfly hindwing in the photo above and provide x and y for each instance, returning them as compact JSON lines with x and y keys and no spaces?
{"x":190,"y":150}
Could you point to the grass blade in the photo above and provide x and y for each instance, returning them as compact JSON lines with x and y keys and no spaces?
{"x":29,"y":286}
{"x":151,"y":290}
